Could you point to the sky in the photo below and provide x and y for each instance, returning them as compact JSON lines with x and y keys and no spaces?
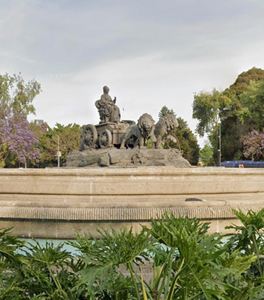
{"x":149,"y":53}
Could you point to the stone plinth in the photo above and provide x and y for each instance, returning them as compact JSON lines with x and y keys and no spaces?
{"x":57,"y":203}
{"x":123,"y":158}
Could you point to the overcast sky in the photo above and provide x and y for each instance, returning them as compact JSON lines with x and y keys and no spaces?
{"x":150,"y":53}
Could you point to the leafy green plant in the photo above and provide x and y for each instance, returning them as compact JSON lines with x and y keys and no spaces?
{"x":185,"y":261}
{"x":102,"y":258}
{"x":185,"y":272}
{"x":48,"y":271}
{"x":248,"y":237}
{"x":10,"y":263}
{"x":199,"y":263}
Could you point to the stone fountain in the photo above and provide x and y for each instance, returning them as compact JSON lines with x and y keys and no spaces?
{"x":115,"y":181}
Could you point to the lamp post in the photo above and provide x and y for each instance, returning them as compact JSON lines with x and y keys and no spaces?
{"x":219,"y":122}
{"x":58,"y":152}
{"x":219,"y":141}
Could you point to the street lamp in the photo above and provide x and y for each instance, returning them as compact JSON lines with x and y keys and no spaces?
{"x":219,"y":150}
{"x":219,"y":141}
{"x":58,"y":152}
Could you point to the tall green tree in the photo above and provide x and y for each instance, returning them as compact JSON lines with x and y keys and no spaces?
{"x":207,"y":108}
{"x":243,"y":80}
{"x":187,"y":142}
{"x":252,"y":100}
{"x":244,"y":115}
{"x":16,"y":95}
{"x":239,"y":108}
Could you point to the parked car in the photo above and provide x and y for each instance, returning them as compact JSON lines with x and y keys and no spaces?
{"x":242,"y":164}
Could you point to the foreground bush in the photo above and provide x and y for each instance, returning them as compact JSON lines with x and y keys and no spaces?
{"x":186,"y":263}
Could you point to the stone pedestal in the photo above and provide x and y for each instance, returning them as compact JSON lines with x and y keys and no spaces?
{"x":58,"y":203}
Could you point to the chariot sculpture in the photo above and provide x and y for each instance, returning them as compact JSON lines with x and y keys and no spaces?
{"x":112,"y":132}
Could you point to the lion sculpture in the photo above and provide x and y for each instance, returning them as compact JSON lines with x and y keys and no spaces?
{"x":163,"y":128}
{"x":139,"y":133}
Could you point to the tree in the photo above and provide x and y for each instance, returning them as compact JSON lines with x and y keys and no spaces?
{"x":243,"y":80}
{"x":239,"y":108}
{"x":254,"y":145}
{"x":17,"y":142}
{"x":245,"y":114}
{"x":207,"y":107}
{"x":165,"y":110}
{"x":252,"y":100}
{"x":187,"y":142}
{"x":66,"y":138}
{"x":16,"y":95}
{"x":206,"y":155}
{"x":69,"y":138}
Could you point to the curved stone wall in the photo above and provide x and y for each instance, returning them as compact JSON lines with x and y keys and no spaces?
{"x":58,"y":203}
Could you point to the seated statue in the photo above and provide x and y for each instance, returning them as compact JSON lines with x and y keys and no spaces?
{"x":108,"y":111}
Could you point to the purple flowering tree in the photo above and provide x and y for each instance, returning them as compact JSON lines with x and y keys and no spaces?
{"x":17,"y":141}
{"x":254,"y":145}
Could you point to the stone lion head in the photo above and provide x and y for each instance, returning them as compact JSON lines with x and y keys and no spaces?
{"x":170,"y":121}
{"x":145,"y":124}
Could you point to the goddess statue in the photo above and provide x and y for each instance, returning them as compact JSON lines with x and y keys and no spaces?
{"x":108,"y":110}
